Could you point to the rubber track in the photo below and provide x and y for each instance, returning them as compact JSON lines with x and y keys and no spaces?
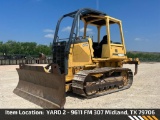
{"x":79,"y":79}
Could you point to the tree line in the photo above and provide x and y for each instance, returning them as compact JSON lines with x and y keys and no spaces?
{"x":26,"y":48}
{"x":145,"y":56}
{"x":12,"y":47}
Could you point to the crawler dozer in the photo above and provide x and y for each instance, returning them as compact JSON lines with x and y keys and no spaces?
{"x":84,"y":66}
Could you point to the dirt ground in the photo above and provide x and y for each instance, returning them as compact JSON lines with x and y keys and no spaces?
{"x":144,"y":93}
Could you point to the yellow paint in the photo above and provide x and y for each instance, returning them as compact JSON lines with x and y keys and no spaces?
{"x":155,"y":118}
{"x":144,"y":117}
{"x":150,"y":118}
{"x":90,"y":47}
{"x":81,"y":55}
{"x":46,"y":70}
{"x":68,"y":87}
{"x":105,"y":51}
{"x":97,"y":75}
{"x":70,"y":74}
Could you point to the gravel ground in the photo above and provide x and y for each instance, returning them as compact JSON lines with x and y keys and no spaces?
{"x":144,"y":92}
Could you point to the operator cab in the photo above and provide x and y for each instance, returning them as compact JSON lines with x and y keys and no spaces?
{"x":108,"y":41}
{"x":79,"y":39}
{"x":87,"y":23}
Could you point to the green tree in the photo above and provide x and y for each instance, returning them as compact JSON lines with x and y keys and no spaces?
{"x":43,"y":49}
{"x":12,"y":47}
{"x":28,"y":48}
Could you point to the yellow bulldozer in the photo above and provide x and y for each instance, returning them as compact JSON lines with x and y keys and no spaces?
{"x":84,"y":66}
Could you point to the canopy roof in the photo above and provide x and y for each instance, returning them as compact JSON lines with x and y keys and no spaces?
{"x":89,"y":16}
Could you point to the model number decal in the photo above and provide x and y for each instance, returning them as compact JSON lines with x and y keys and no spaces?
{"x":84,"y":44}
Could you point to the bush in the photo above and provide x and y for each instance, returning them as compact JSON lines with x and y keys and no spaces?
{"x":145,"y":56}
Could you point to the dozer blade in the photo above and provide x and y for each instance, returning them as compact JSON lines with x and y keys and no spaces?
{"x":44,"y":89}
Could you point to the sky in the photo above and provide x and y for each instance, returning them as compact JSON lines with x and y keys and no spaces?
{"x":35,"y":20}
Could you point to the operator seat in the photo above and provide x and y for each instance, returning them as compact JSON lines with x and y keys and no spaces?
{"x":98,"y":49}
